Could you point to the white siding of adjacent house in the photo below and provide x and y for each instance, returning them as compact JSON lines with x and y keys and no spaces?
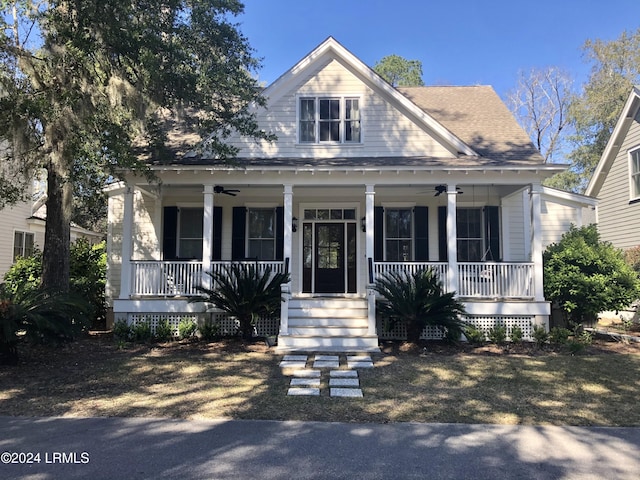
{"x":384,"y":128}
{"x":557,"y":218}
{"x":618,"y":219}
{"x":14,"y":219}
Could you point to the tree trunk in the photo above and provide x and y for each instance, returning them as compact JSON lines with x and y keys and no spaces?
{"x":57,"y":236}
{"x":414,"y":330}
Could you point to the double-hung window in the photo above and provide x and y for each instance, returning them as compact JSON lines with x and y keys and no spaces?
{"x":634,"y":172}
{"x":398,"y":234}
{"x":190,"y":233}
{"x":470,"y":240}
{"x":262,"y":233}
{"x":329,"y":120}
{"x":23,"y":244}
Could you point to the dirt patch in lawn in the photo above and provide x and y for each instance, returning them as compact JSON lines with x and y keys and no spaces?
{"x":430,"y":382}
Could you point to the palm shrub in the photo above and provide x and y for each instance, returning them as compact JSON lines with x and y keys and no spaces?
{"x":245,"y":292}
{"x":39,"y":316}
{"x":418,"y":300}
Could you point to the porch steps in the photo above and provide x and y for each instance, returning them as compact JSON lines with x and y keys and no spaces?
{"x":328,"y":324}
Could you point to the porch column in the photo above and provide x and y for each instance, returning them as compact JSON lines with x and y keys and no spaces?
{"x":536,"y":241}
{"x":207,"y":235}
{"x":452,"y":238}
{"x":285,"y":289}
{"x":127,"y":247}
{"x":369,"y":254}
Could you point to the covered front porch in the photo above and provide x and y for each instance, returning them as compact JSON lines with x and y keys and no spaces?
{"x":334,"y":241}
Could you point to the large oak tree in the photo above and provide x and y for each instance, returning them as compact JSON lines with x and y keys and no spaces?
{"x":88,"y":87}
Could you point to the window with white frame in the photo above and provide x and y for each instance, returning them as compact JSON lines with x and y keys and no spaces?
{"x":262,"y":233}
{"x":190,"y":233}
{"x":23,"y":244}
{"x":398,"y":234}
{"x":634,"y":172}
{"x":329,"y":120}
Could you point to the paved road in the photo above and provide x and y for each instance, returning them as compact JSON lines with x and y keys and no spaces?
{"x":140,"y":448}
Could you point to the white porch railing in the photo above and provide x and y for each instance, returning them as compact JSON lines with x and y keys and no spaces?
{"x":478,"y":279}
{"x":178,"y":278}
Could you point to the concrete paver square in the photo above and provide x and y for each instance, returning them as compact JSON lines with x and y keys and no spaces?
{"x":346,"y":392}
{"x":307,"y":374}
{"x":294,"y":358}
{"x":360,"y":364}
{"x":305,"y":382}
{"x":343,"y":374}
{"x":344,"y":382}
{"x":295,"y":391}
{"x":325,"y":364}
{"x":327,"y":358}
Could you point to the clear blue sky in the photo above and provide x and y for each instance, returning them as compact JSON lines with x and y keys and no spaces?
{"x":459,"y":42}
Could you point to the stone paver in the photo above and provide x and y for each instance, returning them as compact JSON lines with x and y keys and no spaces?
{"x":360,"y":364}
{"x":327,"y":358}
{"x":305,"y":382}
{"x":326,"y":364}
{"x":294,"y":391}
{"x":346,"y":392}
{"x":292,"y":364}
{"x":344,"y":382}
{"x":359,"y":358}
{"x":295,"y":358}
{"x":307,"y":374}
{"x":343,"y":374}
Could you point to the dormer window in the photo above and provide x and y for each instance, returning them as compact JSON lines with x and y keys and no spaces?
{"x":329,"y":120}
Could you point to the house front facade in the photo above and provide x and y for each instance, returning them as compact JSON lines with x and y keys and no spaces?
{"x":616,"y":179}
{"x":363,"y":179}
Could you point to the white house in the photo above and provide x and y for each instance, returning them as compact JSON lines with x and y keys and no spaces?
{"x":363,"y":178}
{"x":22,"y":231}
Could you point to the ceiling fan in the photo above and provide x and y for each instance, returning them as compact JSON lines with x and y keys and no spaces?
{"x":440,"y":189}
{"x":221,"y":189}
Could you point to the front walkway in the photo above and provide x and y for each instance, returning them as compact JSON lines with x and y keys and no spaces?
{"x":340,"y":372}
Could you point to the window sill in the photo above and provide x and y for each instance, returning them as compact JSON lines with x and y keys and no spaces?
{"x":329,"y":145}
{"x":634,"y":201}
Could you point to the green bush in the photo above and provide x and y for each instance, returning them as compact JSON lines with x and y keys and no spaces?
{"x":498,"y":334}
{"x":585,"y":276}
{"x":540,"y":335}
{"x":87,"y":270}
{"x":559,"y":335}
{"x":122,"y":330}
{"x":187,"y":328}
{"x":209,"y":330}
{"x":164,"y":332}
{"x":418,"y":300}
{"x":632,"y":257}
{"x":246,"y":292}
{"x":474,"y":335}
{"x":516,"y":334}
{"x":141,"y":331}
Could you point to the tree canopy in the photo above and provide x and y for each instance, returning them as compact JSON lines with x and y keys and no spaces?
{"x":87,"y":88}
{"x":399,"y":71}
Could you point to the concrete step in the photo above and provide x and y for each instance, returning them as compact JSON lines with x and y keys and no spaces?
{"x":341,"y":343}
{"x":328,"y":330}
{"x":361,"y":322}
{"x":320,"y":312}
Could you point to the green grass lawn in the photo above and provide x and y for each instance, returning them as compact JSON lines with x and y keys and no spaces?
{"x":93,"y":377}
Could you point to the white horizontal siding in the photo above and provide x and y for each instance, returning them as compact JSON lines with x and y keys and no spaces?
{"x":618,"y":220}
{"x":13,"y":219}
{"x":385,"y":130}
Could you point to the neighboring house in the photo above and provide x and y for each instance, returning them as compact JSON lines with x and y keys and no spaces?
{"x":616,"y":179}
{"x":562,"y":209}
{"x":22,"y":232}
{"x":363,"y":179}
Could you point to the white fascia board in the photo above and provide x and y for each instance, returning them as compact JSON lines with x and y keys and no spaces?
{"x":582,"y":200}
{"x":627,"y":115}
{"x":285,"y":82}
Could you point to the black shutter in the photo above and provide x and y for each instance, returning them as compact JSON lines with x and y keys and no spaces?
{"x":442,"y":234}
{"x":279,"y":233}
{"x":217,"y":233}
{"x":238,"y":233}
{"x":170,"y":233}
{"x":421,"y":245}
{"x":492,"y":232}
{"x":378,"y":234}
